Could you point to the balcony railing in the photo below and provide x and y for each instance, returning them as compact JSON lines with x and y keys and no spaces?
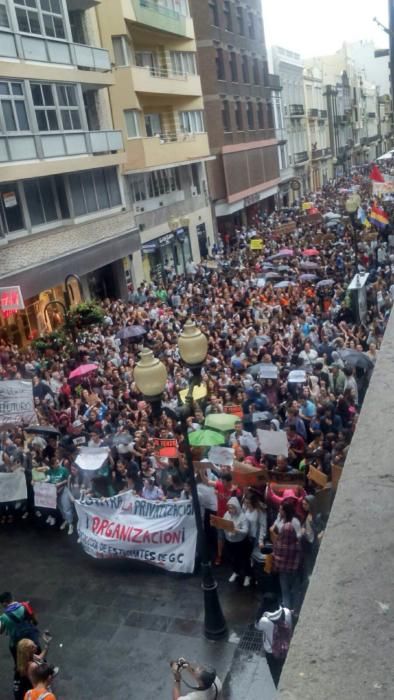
{"x":313,"y":113}
{"x":47,"y":50}
{"x":158,"y":16}
{"x":300,"y":157}
{"x":318,"y":153}
{"x":371,"y":115}
{"x":273,"y":81}
{"x":296,"y":110}
{"x":323,"y":114}
{"x":58,"y":144}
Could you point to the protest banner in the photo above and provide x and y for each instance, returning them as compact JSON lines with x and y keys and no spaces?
{"x":273,"y":442}
{"x":221,"y":523}
{"x":45,"y":495}
{"x":13,"y":486}
{"x":256,"y":244}
{"x":283,"y":229}
{"x":224,"y":456}
{"x":16,"y":402}
{"x":166,"y":448}
{"x":379,"y":188}
{"x":128,"y":527}
{"x":234,"y":410}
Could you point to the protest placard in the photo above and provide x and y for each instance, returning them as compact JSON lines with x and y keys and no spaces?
{"x":224,"y":456}
{"x":284,"y":229}
{"x":273,"y":442}
{"x":199,"y":392}
{"x":166,"y":448}
{"x":45,"y":495}
{"x":125,"y":526}
{"x":247,"y":475}
{"x":92,"y":458}
{"x":13,"y":486}
{"x":317,"y":477}
{"x":234,"y":410}
{"x":16,"y":402}
{"x":256,"y":244}
{"x":221,"y":523}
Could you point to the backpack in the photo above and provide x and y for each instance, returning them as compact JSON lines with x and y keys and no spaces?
{"x":281,"y":639}
{"x":23,"y":629}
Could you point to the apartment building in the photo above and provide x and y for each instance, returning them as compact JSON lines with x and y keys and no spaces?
{"x":244,"y":176}
{"x":62,"y":205}
{"x":318,"y":133}
{"x":289,"y":67}
{"x":156,"y":102}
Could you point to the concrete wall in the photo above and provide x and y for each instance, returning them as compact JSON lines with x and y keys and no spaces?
{"x":343,"y":643}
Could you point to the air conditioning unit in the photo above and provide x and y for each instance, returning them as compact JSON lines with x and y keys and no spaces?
{"x":194,"y":192}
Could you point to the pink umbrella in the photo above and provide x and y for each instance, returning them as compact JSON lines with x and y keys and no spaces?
{"x":286,"y":251}
{"x":82,"y":370}
{"x":309,"y":252}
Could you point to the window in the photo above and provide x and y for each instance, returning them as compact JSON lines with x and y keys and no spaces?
{"x":11,"y":215}
{"x":220,"y":65}
{"x":94,"y":190}
{"x":251,"y":29}
{"x":40,"y":17}
{"x":260,"y":115}
{"x":245,"y":68}
{"x":238,"y":116}
{"x":120,"y":50}
{"x":56,"y":107}
{"x":240,"y":20}
{"x":256,"y":72}
{"x":132,"y":119}
{"x":12,"y":107}
{"x":233,"y":66}
{"x":45,"y":108}
{"x":213,"y":7}
{"x":228,"y":23}
{"x":150,"y":185}
{"x":40,"y":199}
{"x":68,"y":105}
{"x":226,"y":116}
{"x":183,"y":62}
{"x":250,"y":115}
{"x":153,"y":124}
{"x":192,"y":122}
{"x":196,"y":177}
{"x":4,"y":21}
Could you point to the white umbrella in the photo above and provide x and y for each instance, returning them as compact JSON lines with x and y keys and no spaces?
{"x":285,"y":283}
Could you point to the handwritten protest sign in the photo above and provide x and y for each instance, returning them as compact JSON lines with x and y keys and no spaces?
{"x":13,"y":486}
{"x":166,"y":448}
{"x":256,"y":244}
{"x":223,"y":456}
{"x":45,"y":495}
{"x":221,"y":523}
{"x":128,"y":527}
{"x":16,"y":402}
{"x":273,"y":442}
{"x":234,"y":410}
{"x":317,"y":477}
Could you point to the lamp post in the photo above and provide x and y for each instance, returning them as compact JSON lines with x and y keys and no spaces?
{"x":351,"y":206}
{"x":150,"y":376}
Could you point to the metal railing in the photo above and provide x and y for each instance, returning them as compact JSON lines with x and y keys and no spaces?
{"x":300,"y":157}
{"x":155,"y":72}
{"x":164,"y":137}
{"x":161,"y":9}
{"x":296,"y":110}
{"x":314,"y":113}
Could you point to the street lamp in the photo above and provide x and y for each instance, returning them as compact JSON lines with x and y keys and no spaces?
{"x":351,"y":205}
{"x":150,"y":376}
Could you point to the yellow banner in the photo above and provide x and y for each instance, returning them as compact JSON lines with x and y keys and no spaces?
{"x":256,"y":244}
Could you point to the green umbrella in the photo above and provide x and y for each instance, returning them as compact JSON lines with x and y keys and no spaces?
{"x":221,"y":421}
{"x":206,"y":438}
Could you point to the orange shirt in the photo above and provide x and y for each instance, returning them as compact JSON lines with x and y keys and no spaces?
{"x":38,"y":693}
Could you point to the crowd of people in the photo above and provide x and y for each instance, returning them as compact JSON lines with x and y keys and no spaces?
{"x":283,"y":303}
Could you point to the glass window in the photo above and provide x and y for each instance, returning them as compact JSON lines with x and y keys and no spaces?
{"x":214,"y":12}
{"x":183,"y":62}
{"x":245,"y":68}
{"x":112,"y":182}
{"x":41,"y":200}
{"x":227,"y":15}
{"x":119,"y":47}
{"x":250,"y":115}
{"x":11,"y":215}
{"x":69,"y":110}
{"x":77,"y":195}
{"x":192,"y":122}
{"x":220,"y":65}
{"x":94,"y":190}
{"x":4,"y":21}
{"x":89,"y":191}
{"x":226,"y":116}
{"x":101,"y":189}
{"x":240,"y":20}
{"x":251,"y":20}
{"x":132,"y":119}
{"x":40,"y":17}
{"x":238,"y":115}
{"x":260,"y":115}
{"x":44,"y":105}
{"x":233,"y":67}
{"x":152,"y":124}
{"x":12,"y":107}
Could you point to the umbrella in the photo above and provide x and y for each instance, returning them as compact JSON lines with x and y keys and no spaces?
{"x":285,"y":283}
{"x":307,"y":278}
{"x":82,"y":371}
{"x":332,"y":224}
{"x":332,"y":215}
{"x":263,"y":416}
{"x":206,"y":438}
{"x":129,"y":332}
{"x":325,"y":283}
{"x":285,"y":268}
{"x":273,"y":276}
{"x":42,"y":430}
{"x":267,"y":266}
{"x":310,"y":252}
{"x":356,"y":359}
{"x":286,"y":252}
{"x":265,"y":370}
{"x":221,"y":421}
{"x":309,"y":265}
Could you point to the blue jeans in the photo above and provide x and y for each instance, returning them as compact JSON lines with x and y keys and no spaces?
{"x":290,"y":589}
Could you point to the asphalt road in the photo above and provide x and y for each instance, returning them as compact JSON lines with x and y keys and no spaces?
{"x":116,"y":625}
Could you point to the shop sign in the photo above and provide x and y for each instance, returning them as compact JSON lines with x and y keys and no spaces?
{"x":9,"y":200}
{"x":11,"y":299}
{"x":252,"y":199}
{"x":166,"y":240}
{"x":149,"y":247}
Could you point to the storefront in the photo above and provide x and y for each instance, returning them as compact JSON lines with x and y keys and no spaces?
{"x":166,"y":255}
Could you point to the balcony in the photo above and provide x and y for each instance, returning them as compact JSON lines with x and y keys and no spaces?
{"x":156,"y":16}
{"x":341,"y":120}
{"x":166,"y":149}
{"x":318,"y":153}
{"x":313,"y":113}
{"x":323,"y":114}
{"x":273,"y":82}
{"x":24,"y":147}
{"x":158,"y":81}
{"x":300,"y":157}
{"x":296,"y":110}
{"x":47,"y":50}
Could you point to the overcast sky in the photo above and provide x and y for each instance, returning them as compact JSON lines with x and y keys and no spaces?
{"x":317,"y":27}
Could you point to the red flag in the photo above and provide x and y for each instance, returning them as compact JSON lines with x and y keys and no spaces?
{"x":376,"y":175}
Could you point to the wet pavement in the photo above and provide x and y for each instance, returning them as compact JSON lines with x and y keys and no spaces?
{"x":116,"y":625}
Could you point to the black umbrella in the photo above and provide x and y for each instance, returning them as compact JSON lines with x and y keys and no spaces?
{"x":130,"y":332}
{"x":353,"y":358}
{"x":43,"y":430}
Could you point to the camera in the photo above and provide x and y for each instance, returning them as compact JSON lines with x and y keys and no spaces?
{"x":178,"y":665}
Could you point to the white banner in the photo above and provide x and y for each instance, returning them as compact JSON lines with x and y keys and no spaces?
{"x":13,"y":486}
{"x":45,"y":495}
{"x":273,"y":442}
{"x":224,"y":456}
{"x":382,"y":187}
{"x":92,"y":458}
{"x":16,"y":402}
{"x":162,"y":533}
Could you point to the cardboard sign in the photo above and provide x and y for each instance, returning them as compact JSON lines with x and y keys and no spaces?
{"x":221,"y":523}
{"x":224,"y":456}
{"x":166,"y":448}
{"x":246,"y":475}
{"x":317,"y":477}
{"x":233,"y":410}
{"x":307,"y":205}
{"x":256,"y":244}
{"x":45,"y":495}
{"x":283,"y":229}
{"x":336,"y":473}
{"x":13,"y":486}
{"x":199,"y":392}
{"x":16,"y":402}
{"x":273,"y":442}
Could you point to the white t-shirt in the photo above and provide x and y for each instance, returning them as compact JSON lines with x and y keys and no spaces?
{"x":266,"y":626}
{"x":207,"y":497}
{"x":210,"y":694}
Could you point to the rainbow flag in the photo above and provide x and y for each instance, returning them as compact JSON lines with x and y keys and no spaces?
{"x":378,"y":217}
